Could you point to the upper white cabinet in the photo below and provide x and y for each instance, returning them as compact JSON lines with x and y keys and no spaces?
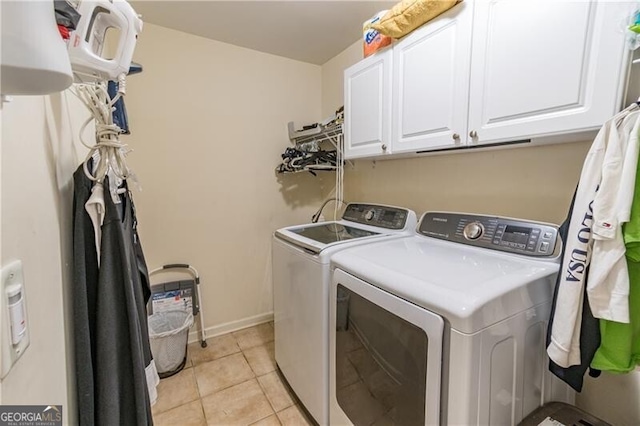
{"x":490,"y":71}
{"x":431,"y":84}
{"x":367,"y":104}
{"x":541,"y":68}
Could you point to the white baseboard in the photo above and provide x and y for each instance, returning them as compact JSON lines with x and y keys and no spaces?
{"x":217,"y":330}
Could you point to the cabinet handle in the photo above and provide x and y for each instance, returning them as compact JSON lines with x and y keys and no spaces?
{"x":473,"y":134}
{"x":455,"y":136}
{"x":384,"y":147}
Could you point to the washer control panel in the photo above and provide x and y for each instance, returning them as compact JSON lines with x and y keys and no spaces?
{"x":498,"y":233}
{"x":376,"y":215}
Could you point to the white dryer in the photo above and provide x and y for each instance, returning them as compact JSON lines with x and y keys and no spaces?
{"x":301,"y":280}
{"x":444,"y":327}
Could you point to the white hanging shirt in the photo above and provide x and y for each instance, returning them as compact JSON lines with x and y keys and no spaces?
{"x":95,"y":208}
{"x":153,"y":380}
{"x":564,"y":347}
{"x":608,"y":281}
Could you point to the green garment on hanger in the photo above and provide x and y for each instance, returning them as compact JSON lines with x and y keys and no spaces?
{"x":619,"y":350}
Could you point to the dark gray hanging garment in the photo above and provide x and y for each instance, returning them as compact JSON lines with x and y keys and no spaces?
{"x":110,"y":321}
{"x":85,"y":285}
{"x":122,"y":341}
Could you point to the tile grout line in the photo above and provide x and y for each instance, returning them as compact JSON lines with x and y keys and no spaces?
{"x":194,"y":365}
{"x":204,"y":413}
{"x":264,"y":393}
{"x":200,"y":397}
{"x":249,"y":364}
{"x":187,"y":402}
{"x":226,"y":387}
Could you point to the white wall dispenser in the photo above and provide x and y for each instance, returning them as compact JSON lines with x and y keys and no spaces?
{"x":14,"y":323}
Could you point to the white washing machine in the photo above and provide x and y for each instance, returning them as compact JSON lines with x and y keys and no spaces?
{"x":444,"y":327}
{"x":301,"y":280}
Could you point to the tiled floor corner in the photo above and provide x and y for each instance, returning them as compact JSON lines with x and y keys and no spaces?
{"x":233,"y":381}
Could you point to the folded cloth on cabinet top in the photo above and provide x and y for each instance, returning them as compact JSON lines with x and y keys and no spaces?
{"x":407,"y":15}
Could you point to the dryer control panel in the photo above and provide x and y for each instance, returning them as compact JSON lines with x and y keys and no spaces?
{"x":492,"y":232}
{"x":376,"y":215}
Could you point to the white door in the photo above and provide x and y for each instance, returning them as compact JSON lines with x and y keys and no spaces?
{"x":542,"y":67}
{"x":431,"y":83}
{"x":367,"y":104}
{"x":385,"y":357}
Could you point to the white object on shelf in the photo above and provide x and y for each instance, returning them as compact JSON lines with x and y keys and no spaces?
{"x":13,"y":316}
{"x":34,"y":56}
{"x":321,"y":133}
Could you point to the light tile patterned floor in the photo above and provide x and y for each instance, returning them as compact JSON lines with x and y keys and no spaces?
{"x":233,"y":381}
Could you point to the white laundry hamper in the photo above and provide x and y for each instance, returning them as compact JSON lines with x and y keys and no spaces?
{"x":168,"y":336}
{"x":172,"y":308}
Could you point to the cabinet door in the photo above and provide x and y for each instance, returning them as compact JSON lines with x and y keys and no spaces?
{"x":541,"y":67}
{"x":367,"y":103}
{"x":431,"y":83}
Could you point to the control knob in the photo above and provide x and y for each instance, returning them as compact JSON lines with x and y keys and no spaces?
{"x":369,"y":215}
{"x":473,"y":231}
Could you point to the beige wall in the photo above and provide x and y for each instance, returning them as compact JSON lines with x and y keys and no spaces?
{"x":38,"y":160}
{"x":613,"y":397}
{"x":332,"y":81}
{"x":209,"y":124}
{"x":533,"y":182}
